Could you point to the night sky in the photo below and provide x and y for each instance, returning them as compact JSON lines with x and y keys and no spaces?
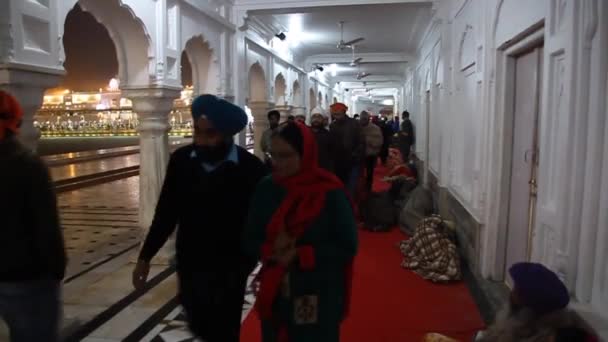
{"x":90,"y":60}
{"x":90,"y":55}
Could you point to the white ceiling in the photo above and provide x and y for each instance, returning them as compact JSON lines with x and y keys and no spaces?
{"x":389,"y":29}
{"x":386,"y":28}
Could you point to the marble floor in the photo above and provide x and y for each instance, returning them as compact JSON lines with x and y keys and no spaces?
{"x":50,"y":146}
{"x":93,"y":166}
{"x":91,"y":153}
{"x":99,"y":223}
{"x":154,"y":321}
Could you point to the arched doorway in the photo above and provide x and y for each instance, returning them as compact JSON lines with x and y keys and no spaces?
{"x":280,"y":88}
{"x":296,"y":98}
{"x":90,"y":65}
{"x":131,"y":39}
{"x":312,"y":100}
{"x":204,"y":72}
{"x":258,"y":104}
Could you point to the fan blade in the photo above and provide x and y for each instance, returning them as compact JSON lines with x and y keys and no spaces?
{"x":319,"y":44}
{"x":354,"y":41}
{"x":363,"y":75}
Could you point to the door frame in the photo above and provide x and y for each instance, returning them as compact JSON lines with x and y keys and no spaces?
{"x":427,"y":144}
{"x":505,"y":100}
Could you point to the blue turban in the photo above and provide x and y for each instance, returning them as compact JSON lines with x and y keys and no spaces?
{"x":226,"y":117}
{"x":539,"y":288}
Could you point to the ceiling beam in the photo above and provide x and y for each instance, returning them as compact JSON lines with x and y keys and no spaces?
{"x":297,"y":6}
{"x":371,"y":85}
{"x":367,"y":58}
{"x":368,"y":79}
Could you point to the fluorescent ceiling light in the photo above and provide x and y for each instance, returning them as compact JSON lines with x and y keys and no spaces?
{"x":295,"y":30}
{"x":334,"y":69}
{"x":388,"y":102}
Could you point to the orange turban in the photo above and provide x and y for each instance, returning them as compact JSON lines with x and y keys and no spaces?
{"x":10,"y":114}
{"x":338,"y":107}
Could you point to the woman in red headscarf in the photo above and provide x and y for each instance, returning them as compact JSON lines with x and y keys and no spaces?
{"x":303,"y":229}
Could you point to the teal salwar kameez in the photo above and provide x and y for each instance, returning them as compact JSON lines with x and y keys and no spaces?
{"x":311,"y":302}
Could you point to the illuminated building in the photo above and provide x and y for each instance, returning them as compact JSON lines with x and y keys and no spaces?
{"x":103,"y":113}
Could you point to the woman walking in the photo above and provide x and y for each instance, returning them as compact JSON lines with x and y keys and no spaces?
{"x":302,"y":228}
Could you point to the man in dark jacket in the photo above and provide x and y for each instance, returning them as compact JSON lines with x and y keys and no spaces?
{"x":274,"y":117}
{"x":206,"y":193}
{"x":387,"y":134}
{"x":31,"y":243}
{"x":317,"y":124}
{"x":348,"y":146}
{"x":406,"y":136}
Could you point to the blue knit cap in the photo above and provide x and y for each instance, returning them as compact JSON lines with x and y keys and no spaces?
{"x":538,"y":287}
{"x":225,"y":116}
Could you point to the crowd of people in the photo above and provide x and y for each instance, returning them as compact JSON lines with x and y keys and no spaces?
{"x":295,"y":213}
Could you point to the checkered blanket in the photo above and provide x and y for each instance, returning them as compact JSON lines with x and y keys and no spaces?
{"x":431,"y":253}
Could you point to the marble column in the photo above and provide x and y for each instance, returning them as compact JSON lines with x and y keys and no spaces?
{"x":152,"y":106}
{"x":28,"y":86}
{"x":259,"y":110}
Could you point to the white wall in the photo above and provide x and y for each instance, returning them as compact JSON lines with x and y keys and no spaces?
{"x":460,"y":63}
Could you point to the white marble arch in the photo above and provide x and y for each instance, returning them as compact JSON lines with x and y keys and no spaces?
{"x":257,"y":83}
{"x":296,"y":94}
{"x":131,"y":37}
{"x":280,"y":90}
{"x":312,"y":99}
{"x":205,"y":66}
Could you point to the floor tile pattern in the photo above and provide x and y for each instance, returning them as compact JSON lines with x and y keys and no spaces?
{"x":99,"y":222}
{"x":175,"y":329}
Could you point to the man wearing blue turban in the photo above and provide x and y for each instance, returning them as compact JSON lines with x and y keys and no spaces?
{"x":537,"y":309}
{"x":206,"y":194}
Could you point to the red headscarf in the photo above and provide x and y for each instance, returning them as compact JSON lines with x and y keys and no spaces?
{"x":305,"y":199}
{"x":10,"y":114}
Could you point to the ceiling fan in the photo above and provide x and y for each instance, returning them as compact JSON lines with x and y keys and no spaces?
{"x":355,"y":61}
{"x":345,"y":45}
{"x":362,"y":75}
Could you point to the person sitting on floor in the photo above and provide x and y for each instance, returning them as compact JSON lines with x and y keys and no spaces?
{"x":397,"y":169}
{"x":537,"y":308}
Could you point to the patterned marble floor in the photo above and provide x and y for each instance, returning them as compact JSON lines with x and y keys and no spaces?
{"x":99,"y":223}
{"x":173,"y":327}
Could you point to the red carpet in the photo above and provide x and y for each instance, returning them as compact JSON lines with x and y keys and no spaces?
{"x":391,"y":304}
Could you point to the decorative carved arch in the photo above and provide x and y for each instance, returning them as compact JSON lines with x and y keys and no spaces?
{"x":132,"y":41}
{"x":296,"y":94}
{"x":280,"y":89}
{"x":205,"y":66}
{"x":312,"y":99}
{"x":257,"y":83}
